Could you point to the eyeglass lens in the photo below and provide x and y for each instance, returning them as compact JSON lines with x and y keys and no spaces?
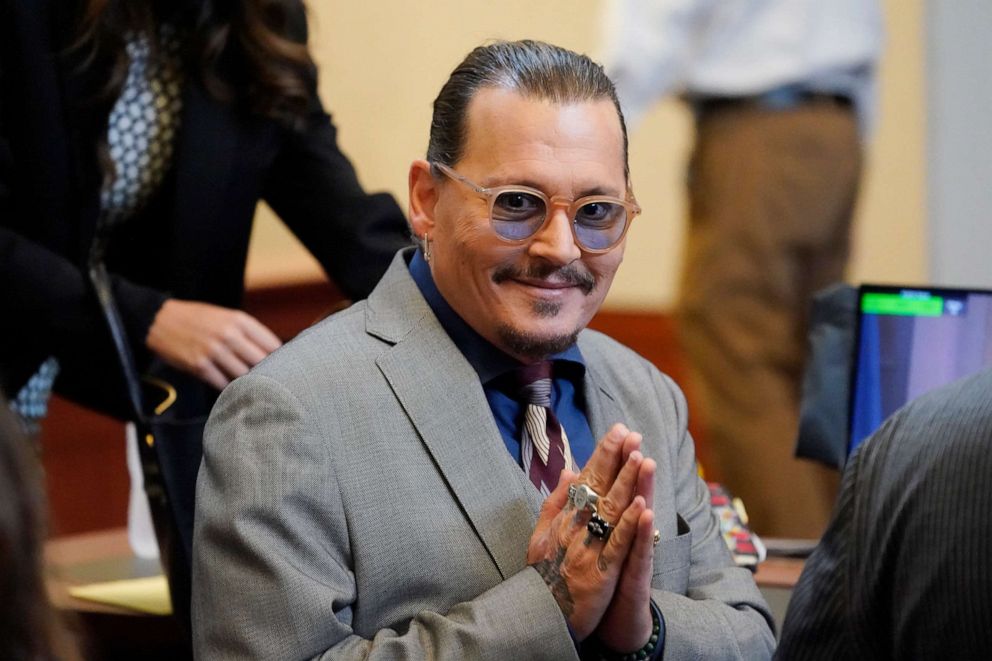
{"x":517,"y":215}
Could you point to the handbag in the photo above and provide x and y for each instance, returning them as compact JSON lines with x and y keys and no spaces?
{"x":170,"y":448}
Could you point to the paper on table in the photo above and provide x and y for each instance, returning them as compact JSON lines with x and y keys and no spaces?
{"x":148,"y":595}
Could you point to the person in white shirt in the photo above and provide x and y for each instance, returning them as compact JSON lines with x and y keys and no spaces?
{"x":783,"y":94}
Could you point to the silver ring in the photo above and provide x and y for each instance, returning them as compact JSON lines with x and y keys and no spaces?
{"x":657,"y":536}
{"x":583,"y":497}
{"x":598,"y":527}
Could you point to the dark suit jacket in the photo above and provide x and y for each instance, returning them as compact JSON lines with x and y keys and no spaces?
{"x":905,"y":568}
{"x":190,"y":242}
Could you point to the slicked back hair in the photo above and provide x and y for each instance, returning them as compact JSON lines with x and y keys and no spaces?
{"x":534,"y":69}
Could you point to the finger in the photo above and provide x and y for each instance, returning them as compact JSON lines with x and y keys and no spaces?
{"x":640,"y":559}
{"x":559,"y":497}
{"x":617,"y":546}
{"x":634,"y":586}
{"x":228,"y":361}
{"x":602,"y":467}
{"x":549,"y":534}
{"x":555,"y":502}
{"x":645,"y":480}
{"x":206,"y":371}
{"x":630,"y":444}
{"x":572,"y":520}
{"x":259,"y":333}
{"x":632,"y":599}
{"x":245,"y":348}
{"x":622,"y":491}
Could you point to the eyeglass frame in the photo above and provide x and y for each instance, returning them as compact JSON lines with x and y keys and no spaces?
{"x":550,"y":203}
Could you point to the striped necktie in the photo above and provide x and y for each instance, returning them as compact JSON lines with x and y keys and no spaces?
{"x":544,"y":444}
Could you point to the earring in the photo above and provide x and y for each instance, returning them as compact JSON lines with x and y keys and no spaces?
{"x":426,"y":247}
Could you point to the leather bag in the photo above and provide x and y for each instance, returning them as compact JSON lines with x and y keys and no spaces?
{"x":170,"y":448}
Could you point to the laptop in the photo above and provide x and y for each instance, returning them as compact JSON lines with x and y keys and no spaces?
{"x":910,"y":340}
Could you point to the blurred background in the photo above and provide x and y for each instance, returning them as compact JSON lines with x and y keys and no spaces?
{"x":923,"y":213}
{"x":926,"y":199}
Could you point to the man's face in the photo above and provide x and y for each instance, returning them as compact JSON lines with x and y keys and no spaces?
{"x":529,"y":299}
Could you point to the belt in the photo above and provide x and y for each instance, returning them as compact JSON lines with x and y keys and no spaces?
{"x":782,"y":98}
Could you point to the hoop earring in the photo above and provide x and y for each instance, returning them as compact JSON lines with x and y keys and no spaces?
{"x":426,"y":247}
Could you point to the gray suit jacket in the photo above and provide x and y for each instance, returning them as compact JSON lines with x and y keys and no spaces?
{"x":356,"y":500}
{"x":904,"y":570}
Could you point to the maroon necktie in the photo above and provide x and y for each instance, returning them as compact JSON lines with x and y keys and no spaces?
{"x":544,"y":445}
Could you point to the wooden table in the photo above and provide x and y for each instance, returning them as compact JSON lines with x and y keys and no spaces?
{"x":779,"y":572}
{"x":109,"y":632}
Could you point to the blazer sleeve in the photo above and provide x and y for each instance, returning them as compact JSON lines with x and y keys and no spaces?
{"x":57,"y":313}
{"x":314,"y":189}
{"x":718,"y":613}
{"x":272,"y":528}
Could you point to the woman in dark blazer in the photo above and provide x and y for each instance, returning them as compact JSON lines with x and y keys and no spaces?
{"x":251,"y":128}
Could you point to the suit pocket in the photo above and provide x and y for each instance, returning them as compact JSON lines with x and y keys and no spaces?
{"x":671,"y":560}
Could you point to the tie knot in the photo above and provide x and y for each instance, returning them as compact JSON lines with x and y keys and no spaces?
{"x":534,"y":381}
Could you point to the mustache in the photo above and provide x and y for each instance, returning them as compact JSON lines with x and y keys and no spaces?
{"x":568,"y":275}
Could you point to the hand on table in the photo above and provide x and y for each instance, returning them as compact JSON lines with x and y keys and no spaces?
{"x":213,"y":343}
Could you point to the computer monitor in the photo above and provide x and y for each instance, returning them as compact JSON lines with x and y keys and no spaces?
{"x":911,"y":340}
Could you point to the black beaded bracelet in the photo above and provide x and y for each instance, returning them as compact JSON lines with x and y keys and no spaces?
{"x":645,"y":652}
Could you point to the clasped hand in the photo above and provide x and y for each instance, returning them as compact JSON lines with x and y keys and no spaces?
{"x":603,"y":587}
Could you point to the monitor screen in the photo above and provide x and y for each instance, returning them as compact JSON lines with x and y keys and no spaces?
{"x":910,"y":341}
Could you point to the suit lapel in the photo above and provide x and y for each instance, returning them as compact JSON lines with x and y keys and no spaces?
{"x":602,"y":408}
{"x":442,"y":395}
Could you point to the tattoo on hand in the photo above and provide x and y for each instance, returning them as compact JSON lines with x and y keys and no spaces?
{"x":550,"y":571}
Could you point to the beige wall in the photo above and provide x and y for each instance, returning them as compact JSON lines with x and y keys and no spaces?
{"x":383,"y":62}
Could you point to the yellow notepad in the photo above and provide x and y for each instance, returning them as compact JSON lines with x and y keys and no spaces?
{"x":147,"y":595}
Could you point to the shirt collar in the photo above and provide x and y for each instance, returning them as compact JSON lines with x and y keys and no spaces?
{"x":488,"y":361}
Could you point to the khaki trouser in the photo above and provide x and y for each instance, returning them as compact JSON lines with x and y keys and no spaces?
{"x":771,"y":199}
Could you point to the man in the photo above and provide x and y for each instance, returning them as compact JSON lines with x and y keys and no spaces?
{"x":777,"y":88}
{"x":375,"y":489}
{"x":903,"y":571}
